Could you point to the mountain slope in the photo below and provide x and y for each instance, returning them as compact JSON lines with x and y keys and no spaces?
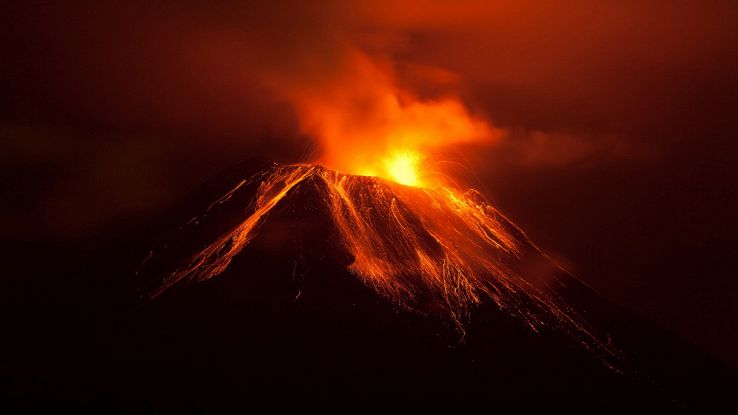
{"x":308,"y":248}
{"x":289,"y":323}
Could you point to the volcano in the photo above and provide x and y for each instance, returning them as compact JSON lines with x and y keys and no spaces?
{"x":415,"y":291}
{"x":297,"y":286}
{"x":433,"y":250}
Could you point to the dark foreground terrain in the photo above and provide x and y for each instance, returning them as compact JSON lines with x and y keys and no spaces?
{"x":287,"y":326}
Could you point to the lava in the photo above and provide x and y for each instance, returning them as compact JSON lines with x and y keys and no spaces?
{"x":431,"y":249}
{"x":402,"y":167}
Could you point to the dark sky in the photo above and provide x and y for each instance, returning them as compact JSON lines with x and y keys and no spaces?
{"x":618,"y":152}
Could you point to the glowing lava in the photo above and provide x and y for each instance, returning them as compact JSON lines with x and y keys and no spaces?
{"x":432,"y":249}
{"x":403,"y":168}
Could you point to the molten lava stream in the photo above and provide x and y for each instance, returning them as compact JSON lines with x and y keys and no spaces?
{"x":421,"y":247}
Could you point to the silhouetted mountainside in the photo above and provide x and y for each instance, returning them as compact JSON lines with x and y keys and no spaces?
{"x":288,"y":325}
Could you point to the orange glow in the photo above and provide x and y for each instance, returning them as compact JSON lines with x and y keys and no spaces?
{"x":403,"y":168}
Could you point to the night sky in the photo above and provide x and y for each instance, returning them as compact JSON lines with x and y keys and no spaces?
{"x":617,"y":151}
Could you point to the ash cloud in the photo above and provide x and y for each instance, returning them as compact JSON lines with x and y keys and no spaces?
{"x":554,"y":85}
{"x":229,"y":71}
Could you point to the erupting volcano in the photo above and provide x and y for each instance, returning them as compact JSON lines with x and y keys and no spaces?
{"x":394,"y":219}
{"x":371,"y":262}
{"x":218,"y":207}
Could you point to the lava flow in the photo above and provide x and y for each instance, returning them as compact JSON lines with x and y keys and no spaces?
{"x":431,"y":249}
